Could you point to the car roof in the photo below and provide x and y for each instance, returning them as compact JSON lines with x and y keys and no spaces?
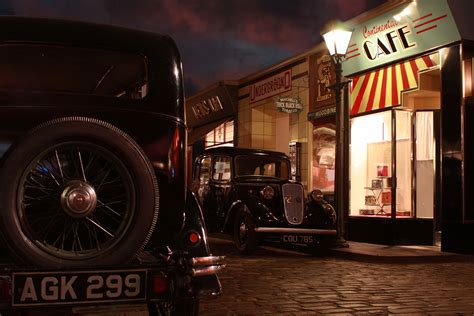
{"x":19,"y":28}
{"x":165,"y":91}
{"x":235,"y":151}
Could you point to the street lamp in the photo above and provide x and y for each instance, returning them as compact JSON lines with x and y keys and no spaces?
{"x":337,"y":42}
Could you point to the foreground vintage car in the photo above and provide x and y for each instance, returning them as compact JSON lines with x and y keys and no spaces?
{"x":248,"y":193}
{"x":93,"y":203}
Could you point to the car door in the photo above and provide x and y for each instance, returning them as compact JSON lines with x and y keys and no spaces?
{"x":220,"y":186}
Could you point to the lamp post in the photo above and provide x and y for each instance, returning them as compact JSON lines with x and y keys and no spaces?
{"x":337,"y":42}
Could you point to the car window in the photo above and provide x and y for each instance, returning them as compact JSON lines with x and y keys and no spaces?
{"x":221,"y":168}
{"x":254,"y":165}
{"x":27,"y":68}
{"x":204,"y":169}
{"x":265,"y":170}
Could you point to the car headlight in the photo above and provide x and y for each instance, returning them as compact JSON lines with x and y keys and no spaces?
{"x":267,"y":192}
{"x":317,"y":196}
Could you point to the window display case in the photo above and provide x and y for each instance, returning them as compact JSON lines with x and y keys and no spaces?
{"x":375,"y":146}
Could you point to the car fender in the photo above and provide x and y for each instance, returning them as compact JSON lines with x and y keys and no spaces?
{"x":229,"y":219}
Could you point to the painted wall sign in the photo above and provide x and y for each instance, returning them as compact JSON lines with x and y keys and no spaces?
{"x":217,"y":103}
{"x":289,"y":105}
{"x":406,"y":31}
{"x":271,"y":86}
{"x":325,"y":112}
{"x":207,"y":106}
{"x":325,"y":77}
{"x":322,"y":75}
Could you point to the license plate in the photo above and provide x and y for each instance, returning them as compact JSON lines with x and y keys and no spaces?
{"x":79,"y":287}
{"x":297,"y":239}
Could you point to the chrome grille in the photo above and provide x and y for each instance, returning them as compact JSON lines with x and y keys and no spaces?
{"x":294,"y":203}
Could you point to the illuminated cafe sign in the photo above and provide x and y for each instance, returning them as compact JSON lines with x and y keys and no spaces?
{"x":207,"y":106}
{"x":271,"y":86}
{"x":401,"y":33}
{"x":289,"y":105}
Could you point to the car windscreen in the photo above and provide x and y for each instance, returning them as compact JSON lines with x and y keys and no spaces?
{"x":266,"y":166}
{"x":41,"y":68}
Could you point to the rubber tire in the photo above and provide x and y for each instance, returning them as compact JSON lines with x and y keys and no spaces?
{"x":251,"y":244}
{"x":182,"y":307}
{"x":110,"y":138}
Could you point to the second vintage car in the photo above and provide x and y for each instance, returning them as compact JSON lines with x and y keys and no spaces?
{"x":249,"y":194}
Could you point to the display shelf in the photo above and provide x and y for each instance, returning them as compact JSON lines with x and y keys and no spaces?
{"x":376,"y":193}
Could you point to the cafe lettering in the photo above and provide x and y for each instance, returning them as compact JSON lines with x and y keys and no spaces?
{"x":389,"y":42}
{"x":400,"y":34}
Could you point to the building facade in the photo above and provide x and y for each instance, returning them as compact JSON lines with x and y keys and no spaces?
{"x":410,"y":66}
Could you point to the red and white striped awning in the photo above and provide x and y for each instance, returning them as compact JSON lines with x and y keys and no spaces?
{"x":382,"y":88}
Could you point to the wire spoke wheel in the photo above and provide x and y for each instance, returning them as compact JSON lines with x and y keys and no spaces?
{"x":76,"y":200}
{"x":83,"y":193}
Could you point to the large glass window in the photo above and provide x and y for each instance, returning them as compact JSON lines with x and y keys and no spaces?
{"x":222,"y":135}
{"x":404,"y":164}
{"x":370,"y":164}
{"x":425,"y":165}
{"x":324,"y":152}
{"x":375,"y":191}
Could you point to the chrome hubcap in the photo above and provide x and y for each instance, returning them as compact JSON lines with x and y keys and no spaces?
{"x":78,"y":199}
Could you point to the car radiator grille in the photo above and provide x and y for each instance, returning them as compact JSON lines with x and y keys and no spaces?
{"x":293,"y":202}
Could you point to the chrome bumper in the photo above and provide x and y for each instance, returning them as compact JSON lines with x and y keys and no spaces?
{"x":201,"y":266}
{"x":306,"y":231}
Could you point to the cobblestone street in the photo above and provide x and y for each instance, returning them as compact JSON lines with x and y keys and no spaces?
{"x":280,"y":282}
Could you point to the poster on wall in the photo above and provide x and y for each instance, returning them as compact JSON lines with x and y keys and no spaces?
{"x":325,"y":78}
{"x":322,"y":76}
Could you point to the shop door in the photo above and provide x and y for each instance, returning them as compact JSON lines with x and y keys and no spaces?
{"x":402,"y":187}
{"x":426,"y":149}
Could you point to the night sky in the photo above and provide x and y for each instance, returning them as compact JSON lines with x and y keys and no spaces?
{"x":218,"y":39}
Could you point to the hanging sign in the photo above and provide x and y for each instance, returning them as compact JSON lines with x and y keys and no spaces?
{"x":401,"y":33}
{"x":289,"y":105}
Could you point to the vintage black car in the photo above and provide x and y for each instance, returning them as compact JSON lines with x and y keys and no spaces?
{"x":94,"y":208}
{"x":248,"y":193}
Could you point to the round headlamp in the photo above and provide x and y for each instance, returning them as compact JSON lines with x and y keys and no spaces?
{"x":267,"y":192}
{"x":317,"y":196}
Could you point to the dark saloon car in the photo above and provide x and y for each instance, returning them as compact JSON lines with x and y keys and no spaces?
{"x":94,"y":209}
{"x":248,"y":193}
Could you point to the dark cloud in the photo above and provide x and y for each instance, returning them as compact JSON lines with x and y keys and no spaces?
{"x":219,"y":40}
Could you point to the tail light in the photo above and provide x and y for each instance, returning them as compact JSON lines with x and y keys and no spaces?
{"x":161,"y":284}
{"x":192,"y":238}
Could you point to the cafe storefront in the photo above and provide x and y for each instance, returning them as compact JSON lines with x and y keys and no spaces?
{"x":410,"y":116}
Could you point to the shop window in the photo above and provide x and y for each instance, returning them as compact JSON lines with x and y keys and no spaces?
{"x":425,"y":165}
{"x":223,"y":135}
{"x":403,"y":189}
{"x":324,"y":153}
{"x":375,"y":191}
{"x":370,"y":165}
{"x":221,"y":169}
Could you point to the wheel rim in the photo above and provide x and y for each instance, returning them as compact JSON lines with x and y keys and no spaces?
{"x":76,"y":200}
{"x":243,"y":231}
